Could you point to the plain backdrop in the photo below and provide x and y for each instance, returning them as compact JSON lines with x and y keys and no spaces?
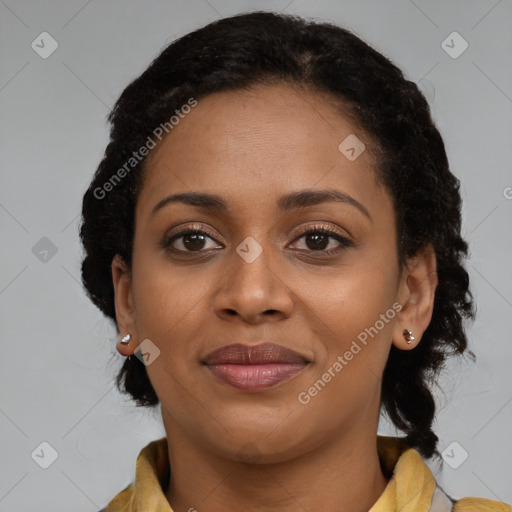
{"x":58,"y":356}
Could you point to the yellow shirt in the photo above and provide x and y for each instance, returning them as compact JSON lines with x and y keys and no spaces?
{"x":411,"y":488}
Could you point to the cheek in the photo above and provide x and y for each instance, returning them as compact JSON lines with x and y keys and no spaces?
{"x":355,"y":327}
{"x":170,"y":311}
{"x":354,"y":314}
{"x":170,"y":307}
{"x":353,"y":299}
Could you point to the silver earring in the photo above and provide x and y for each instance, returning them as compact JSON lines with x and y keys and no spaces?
{"x":126,"y":339}
{"x":408,"y":336}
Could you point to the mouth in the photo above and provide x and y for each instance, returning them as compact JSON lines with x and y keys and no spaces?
{"x":255,"y":368}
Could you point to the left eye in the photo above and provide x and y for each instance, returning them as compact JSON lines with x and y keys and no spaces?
{"x":317,"y":240}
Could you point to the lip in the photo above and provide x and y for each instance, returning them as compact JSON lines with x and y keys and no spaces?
{"x":255,"y":368}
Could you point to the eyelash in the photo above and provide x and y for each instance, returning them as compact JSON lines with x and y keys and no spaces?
{"x":345,"y":242}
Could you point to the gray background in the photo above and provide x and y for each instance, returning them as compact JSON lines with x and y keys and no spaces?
{"x":58,"y":352}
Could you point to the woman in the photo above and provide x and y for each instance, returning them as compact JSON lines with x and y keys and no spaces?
{"x":275,"y":231}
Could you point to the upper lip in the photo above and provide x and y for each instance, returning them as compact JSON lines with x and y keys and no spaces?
{"x":264,"y":353}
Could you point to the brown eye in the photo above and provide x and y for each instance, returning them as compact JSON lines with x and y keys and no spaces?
{"x":318,"y":239}
{"x":190,"y":240}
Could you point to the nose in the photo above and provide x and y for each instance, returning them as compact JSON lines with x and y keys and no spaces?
{"x":254,"y":291}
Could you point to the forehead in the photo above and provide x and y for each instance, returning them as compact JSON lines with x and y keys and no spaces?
{"x":256,"y":141}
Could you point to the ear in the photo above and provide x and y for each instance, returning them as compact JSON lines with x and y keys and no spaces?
{"x":123,"y":299}
{"x":417,"y":287}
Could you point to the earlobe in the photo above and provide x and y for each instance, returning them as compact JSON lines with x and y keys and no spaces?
{"x":416,"y":295}
{"x":123,"y":300}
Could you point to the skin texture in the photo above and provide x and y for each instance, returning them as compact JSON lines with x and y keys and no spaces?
{"x":233,"y":450}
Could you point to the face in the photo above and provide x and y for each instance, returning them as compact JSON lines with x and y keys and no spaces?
{"x":298,"y":250}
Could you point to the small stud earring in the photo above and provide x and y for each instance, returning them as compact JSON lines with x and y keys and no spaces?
{"x":408,"y":336}
{"x":126,"y":339}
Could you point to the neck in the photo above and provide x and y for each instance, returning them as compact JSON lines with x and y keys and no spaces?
{"x":342,"y":475}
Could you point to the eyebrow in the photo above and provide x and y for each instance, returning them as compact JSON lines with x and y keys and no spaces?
{"x":288,"y":202}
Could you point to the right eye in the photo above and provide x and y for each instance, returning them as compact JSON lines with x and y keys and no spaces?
{"x":191,"y":240}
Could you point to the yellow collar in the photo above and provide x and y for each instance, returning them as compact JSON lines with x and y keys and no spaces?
{"x":410,"y":488}
{"x":412,"y":484}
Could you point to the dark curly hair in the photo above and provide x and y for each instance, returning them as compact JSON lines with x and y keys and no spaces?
{"x":265,"y":48}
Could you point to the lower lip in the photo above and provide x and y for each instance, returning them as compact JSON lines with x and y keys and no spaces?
{"x":255,"y":377}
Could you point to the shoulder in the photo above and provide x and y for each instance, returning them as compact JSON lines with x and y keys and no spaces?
{"x":480,"y":504}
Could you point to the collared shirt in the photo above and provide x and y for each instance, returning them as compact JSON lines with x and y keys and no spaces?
{"x":412,"y":487}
